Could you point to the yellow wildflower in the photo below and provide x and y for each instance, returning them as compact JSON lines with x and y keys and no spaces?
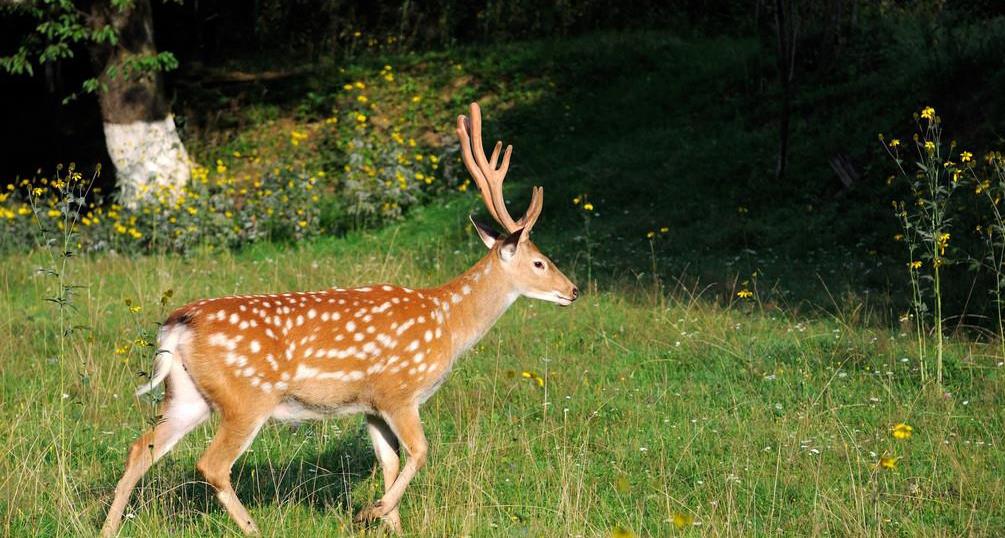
{"x":914,"y":265}
{"x":588,"y":206}
{"x":966,"y":157}
{"x":745,"y":294}
{"x":929,"y":146}
{"x":416,"y":98}
{"x":362,"y":98}
{"x":664,"y":229}
{"x":682,"y":520}
{"x":576,"y":200}
{"x":902,"y":431}
{"x":943,"y":242}
{"x":347,"y":87}
{"x":888,"y":462}
{"x":894,"y":142}
{"x":650,"y":234}
{"x":621,"y":532}
{"x":928,"y":113}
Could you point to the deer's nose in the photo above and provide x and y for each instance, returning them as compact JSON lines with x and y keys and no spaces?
{"x":575,"y":293}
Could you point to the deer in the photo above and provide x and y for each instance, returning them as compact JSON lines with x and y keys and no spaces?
{"x":380,"y":350}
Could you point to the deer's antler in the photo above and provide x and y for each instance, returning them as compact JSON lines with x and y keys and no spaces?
{"x":489,"y":178}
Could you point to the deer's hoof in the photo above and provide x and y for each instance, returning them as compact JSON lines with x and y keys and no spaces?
{"x":369,"y":514}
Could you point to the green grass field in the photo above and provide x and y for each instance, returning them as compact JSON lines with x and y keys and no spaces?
{"x":668,"y":405}
{"x":655,"y":406}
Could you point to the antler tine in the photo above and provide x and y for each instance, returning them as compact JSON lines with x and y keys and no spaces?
{"x":484,"y":171}
{"x":533,"y":211}
{"x":463,"y":128}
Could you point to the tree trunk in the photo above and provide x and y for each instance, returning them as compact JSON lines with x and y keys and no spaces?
{"x":786,"y":33}
{"x":140,"y":132}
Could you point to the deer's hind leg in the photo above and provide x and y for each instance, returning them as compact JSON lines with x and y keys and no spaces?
{"x":183,"y":409}
{"x":385,"y":445}
{"x":238,"y":428}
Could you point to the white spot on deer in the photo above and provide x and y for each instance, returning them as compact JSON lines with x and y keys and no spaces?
{"x":350,"y":326}
{"x":364,"y":290}
{"x":243,"y":325}
{"x":309,"y":352}
{"x":466,"y":290}
{"x":455,"y":298}
{"x":413,"y":346}
{"x":354,"y":375}
{"x":358,"y":337}
{"x":269,"y":333}
{"x":266,"y":304}
{"x":266,"y":387}
{"x":221,"y":314}
{"x":281,"y":386}
{"x":332,"y":353}
{"x":405,"y":326}
{"x":324,"y":315}
{"x":367,"y":318}
{"x":234,"y":318}
{"x":289,"y":323}
{"x":336,"y":375}
{"x":339,"y":337}
{"x":418,"y":357}
{"x":428,"y":336}
{"x":300,"y":320}
{"x":285,"y":376}
{"x":272,"y":362}
{"x":249,"y":371}
{"x":255,"y":381}
{"x":385,"y":287}
{"x":255,"y":346}
{"x":421,"y":368}
{"x":385,"y":340}
{"x":438,"y":333}
{"x":311,"y":314}
{"x":305,"y":372}
{"x":371,"y":329}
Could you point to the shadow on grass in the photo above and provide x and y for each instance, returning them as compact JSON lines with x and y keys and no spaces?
{"x":321,"y":476}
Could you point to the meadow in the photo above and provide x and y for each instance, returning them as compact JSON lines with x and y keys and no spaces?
{"x":729,"y":369}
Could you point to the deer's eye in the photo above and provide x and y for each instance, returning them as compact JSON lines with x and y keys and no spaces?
{"x":539,"y":264}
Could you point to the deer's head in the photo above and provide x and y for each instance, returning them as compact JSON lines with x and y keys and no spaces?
{"x":529,"y":271}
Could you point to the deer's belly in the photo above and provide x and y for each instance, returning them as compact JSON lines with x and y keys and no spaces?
{"x":292,"y":410}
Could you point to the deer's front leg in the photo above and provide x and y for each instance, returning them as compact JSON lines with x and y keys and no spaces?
{"x":407,"y":428}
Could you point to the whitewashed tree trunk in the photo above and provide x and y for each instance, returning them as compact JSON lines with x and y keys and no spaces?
{"x":149,"y":157}
{"x":140,"y":132}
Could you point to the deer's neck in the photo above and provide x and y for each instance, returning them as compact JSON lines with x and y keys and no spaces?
{"x":472,"y":302}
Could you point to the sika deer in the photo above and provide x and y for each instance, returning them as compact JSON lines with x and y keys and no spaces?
{"x":380,"y":350}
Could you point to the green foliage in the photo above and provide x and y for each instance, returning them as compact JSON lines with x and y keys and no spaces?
{"x":62,"y":30}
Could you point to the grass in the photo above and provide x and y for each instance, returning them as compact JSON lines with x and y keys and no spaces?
{"x":744,"y":417}
{"x":665,"y":399}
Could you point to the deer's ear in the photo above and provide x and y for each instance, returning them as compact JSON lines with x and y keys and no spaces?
{"x":510,"y":244}
{"x":485,"y":232}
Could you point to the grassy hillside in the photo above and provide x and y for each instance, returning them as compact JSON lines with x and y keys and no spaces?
{"x":654,"y":408}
